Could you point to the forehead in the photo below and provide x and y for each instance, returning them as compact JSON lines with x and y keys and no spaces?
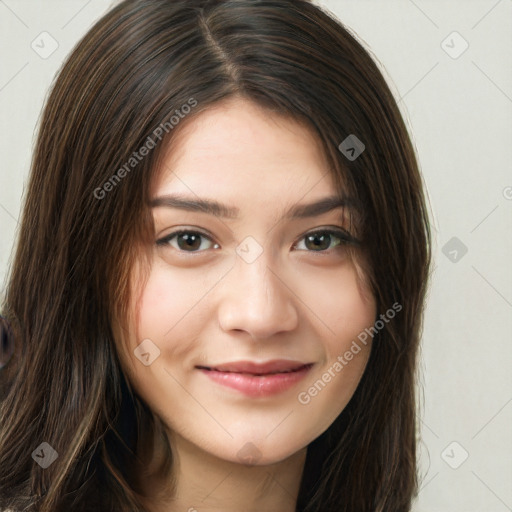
{"x":238,"y":148}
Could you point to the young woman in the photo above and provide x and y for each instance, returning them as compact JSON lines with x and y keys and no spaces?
{"x":217,"y":294}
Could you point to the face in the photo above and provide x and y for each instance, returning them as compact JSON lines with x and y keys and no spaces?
{"x":241,"y":333}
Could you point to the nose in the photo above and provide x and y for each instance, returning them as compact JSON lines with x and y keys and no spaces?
{"x":257,"y":300}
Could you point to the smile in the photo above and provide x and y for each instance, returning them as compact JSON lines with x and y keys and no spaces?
{"x":258,"y":380}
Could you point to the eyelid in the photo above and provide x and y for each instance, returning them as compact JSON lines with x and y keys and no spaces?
{"x":339,"y":232}
{"x":335,"y":230}
{"x":165,"y":239}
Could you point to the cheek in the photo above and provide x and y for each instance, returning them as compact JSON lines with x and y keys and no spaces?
{"x":345,"y":309}
{"x":172,"y":311}
{"x":340,"y":305}
{"x":159,"y":307}
{"x":164,"y":323}
{"x":169,"y":297}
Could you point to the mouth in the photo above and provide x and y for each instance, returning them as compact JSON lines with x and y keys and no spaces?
{"x":255,"y":379}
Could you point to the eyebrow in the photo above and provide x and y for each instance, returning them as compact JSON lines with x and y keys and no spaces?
{"x":212,"y":207}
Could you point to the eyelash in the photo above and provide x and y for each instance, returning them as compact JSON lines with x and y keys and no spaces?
{"x":342,"y":235}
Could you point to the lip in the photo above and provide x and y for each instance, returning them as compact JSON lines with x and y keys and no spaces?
{"x":258,"y":379}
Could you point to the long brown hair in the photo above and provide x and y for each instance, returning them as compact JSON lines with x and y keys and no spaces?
{"x":84,"y":218}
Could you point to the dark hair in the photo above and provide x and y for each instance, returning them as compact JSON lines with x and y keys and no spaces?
{"x":69,"y":281}
{"x":6,"y":342}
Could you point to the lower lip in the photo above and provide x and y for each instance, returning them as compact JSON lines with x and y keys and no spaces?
{"x":255,"y":386}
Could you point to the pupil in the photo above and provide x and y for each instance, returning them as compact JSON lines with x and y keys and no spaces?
{"x":191,"y":241}
{"x":318,"y":241}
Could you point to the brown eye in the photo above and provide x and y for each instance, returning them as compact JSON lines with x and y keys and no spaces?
{"x":321,"y":241}
{"x":186,"y":241}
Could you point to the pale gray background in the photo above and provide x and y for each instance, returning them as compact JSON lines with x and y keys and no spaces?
{"x":459,"y":111}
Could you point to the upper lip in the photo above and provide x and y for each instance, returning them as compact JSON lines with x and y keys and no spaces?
{"x":275,"y":366}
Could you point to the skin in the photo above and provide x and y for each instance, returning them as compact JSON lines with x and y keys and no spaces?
{"x":212,"y":306}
